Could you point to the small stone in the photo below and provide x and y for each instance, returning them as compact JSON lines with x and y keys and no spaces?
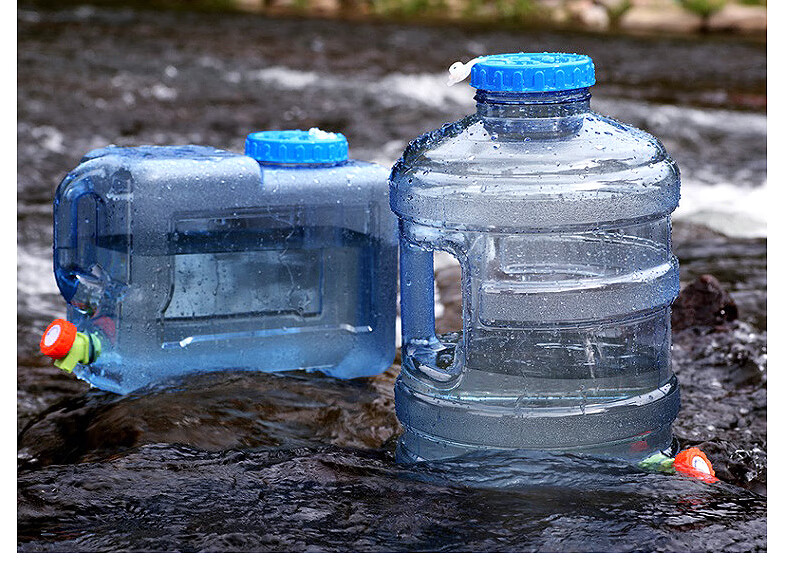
{"x":656,"y":18}
{"x":703,"y":302}
{"x":738,"y":18}
{"x":325,"y":7}
{"x":589,"y":14}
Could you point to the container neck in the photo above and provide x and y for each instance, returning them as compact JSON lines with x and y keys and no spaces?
{"x":528,"y":116}
{"x":555,"y":104}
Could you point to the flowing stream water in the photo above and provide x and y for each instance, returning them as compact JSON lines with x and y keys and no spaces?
{"x":256,"y":462}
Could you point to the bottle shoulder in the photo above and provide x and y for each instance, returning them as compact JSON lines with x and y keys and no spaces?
{"x":351,"y":182}
{"x":132,"y":154}
{"x":115,"y":170}
{"x":483,"y":149}
{"x":515,"y":174}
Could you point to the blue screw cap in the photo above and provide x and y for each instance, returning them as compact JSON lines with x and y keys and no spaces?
{"x":297,"y":146}
{"x":533,"y":72}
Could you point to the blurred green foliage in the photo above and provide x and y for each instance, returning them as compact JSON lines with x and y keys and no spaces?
{"x":515,"y":9}
{"x":502,"y":10}
{"x":407,"y":7}
{"x":705,"y":8}
{"x":616,"y":10}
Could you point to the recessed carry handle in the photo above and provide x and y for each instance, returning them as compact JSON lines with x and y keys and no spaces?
{"x":422,"y":351}
{"x":74,"y":244}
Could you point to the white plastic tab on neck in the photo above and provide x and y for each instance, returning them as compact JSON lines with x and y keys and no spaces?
{"x":460,"y":71}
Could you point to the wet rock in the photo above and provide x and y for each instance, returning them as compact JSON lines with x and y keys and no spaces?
{"x":704,"y":302}
{"x":39,"y":386}
{"x":738,"y":264}
{"x":722,"y":373}
{"x":684,"y":232}
{"x":738,"y":466}
{"x":171,"y":498}
{"x":216,"y":412}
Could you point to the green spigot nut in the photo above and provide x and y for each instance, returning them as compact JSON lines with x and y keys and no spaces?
{"x":84,"y":351}
{"x":658,"y":462}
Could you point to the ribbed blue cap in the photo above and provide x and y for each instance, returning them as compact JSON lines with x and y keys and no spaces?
{"x":533,"y":72}
{"x":297,"y":146}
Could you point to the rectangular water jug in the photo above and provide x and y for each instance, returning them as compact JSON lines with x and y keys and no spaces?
{"x":186,"y":259}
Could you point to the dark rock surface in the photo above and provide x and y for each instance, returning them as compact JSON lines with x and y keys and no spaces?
{"x":722,"y":373}
{"x":218,"y":412}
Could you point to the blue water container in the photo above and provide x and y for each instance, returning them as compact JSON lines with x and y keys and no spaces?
{"x":560,"y":220}
{"x":184,"y":259}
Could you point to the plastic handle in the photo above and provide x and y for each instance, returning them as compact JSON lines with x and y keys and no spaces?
{"x":416,"y":277}
{"x":421,"y":345}
{"x":79,"y":247}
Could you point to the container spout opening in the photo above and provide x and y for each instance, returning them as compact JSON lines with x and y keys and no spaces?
{"x":691,"y":463}
{"x":67,"y":346}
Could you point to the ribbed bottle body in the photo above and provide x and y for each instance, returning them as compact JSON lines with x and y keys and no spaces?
{"x":560,"y":221}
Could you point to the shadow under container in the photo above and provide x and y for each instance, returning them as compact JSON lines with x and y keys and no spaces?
{"x":560,"y":221}
{"x":188,"y":259}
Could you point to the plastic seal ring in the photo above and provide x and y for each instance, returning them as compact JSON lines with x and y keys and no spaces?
{"x":58,"y":339}
{"x":693,"y":463}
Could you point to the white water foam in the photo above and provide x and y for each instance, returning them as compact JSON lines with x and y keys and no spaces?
{"x":34,"y":273}
{"x":429,"y":89}
{"x":426,"y":88}
{"x":735,"y":211}
{"x":685,"y":119}
{"x":286,"y":78}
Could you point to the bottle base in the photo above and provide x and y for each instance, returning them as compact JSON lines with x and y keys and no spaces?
{"x":446,"y":427}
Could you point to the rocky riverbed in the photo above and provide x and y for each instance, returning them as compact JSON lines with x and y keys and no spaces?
{"x":269,"y":462}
